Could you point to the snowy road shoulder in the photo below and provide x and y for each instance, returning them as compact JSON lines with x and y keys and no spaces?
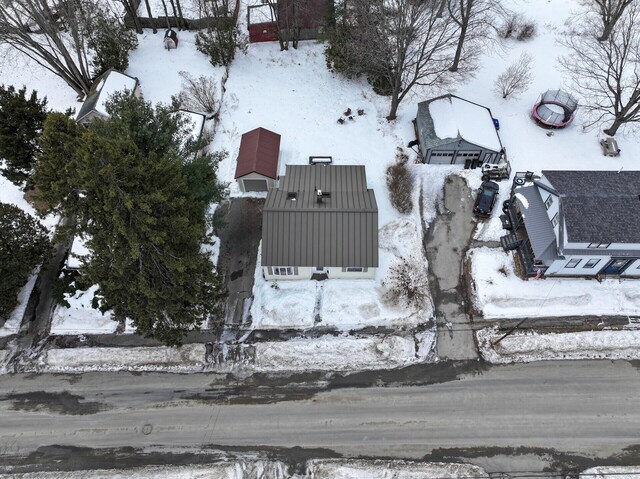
{"x":524,"y":347}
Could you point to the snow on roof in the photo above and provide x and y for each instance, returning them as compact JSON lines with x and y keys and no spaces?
{"x":113,"y":83}
{"x":78,"y":250}
{"x":195,"y":122}
{"x":453,"y":116}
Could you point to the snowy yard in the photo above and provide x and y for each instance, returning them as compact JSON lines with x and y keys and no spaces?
{"x":500,"y":294}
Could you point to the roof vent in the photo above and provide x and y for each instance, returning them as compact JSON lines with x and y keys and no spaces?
{"x":319,"y":196}
{"x":292,"y":195}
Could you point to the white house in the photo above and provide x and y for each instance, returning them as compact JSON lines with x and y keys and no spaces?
{"x":576,"y":223}
{"x":321,"y":222}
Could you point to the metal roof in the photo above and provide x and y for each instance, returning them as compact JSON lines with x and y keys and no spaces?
{"x":259,"y":153}
{"x":599,"y":206}
{"x":339,"y":231}
{"x":539,"y":228}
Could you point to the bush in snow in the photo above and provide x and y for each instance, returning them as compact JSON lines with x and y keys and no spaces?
{"x":400,"y":183}
{"x":111,"y":40}
{"x":198,"y":94}
{"x":24,"y":243}
{"x":407,"y":283}
{"x":516,"y":78}
{"x":220,"y":43}
{"x":515,"y":26}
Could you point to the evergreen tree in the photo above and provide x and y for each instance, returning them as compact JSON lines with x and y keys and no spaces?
{"x":21,"y":120}
{"x":23,"y":245}
{"x":139,"y":196}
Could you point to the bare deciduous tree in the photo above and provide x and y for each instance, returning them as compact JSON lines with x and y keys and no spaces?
{"x":199,"y":94}
{"x":516,"y":78}
{"x":50,"y":32}
{"x":476,"y":20}
{"x":609,"y":11}
{"x":607,"y":73}
{"x":398,"y":44}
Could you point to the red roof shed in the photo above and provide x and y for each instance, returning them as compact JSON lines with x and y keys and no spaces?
{"x":257,"y":166}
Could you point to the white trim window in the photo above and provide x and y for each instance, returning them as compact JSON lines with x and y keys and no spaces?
{"x":599,"y":245}
{"x":283,"y":270}
{"x":548,"y":202}
{"x":591,"y":263}
{"x":554,"y":220}
{"x":573,"y":262}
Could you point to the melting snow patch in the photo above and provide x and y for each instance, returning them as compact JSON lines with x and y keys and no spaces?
{"x":381,"y":469}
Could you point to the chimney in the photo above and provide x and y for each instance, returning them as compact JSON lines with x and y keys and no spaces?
{"x":319,"y":196}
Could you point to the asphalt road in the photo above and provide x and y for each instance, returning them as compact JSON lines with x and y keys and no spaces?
{"x":585,"y":407}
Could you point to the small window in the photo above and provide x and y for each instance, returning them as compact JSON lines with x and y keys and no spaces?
{"x":554,"y":221}
{"x":599,"y":245}
{"x":283,"y":270}
{"x":548,"y":202}
{"x":573,"y":263}
{"x":354,"y":270}
{"x":591,"y":263}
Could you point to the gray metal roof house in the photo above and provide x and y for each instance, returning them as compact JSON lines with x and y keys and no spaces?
{"x":453,"y":131}
{"x":578,"y":223}
{"x":321,"y":222}
{"x":110,"y":82}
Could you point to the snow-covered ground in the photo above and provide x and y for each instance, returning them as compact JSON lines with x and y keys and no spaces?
{"x":12,"y":325}
{"x":524,"y":347}
{"x":611,"y":472}
{"x":241,"y":468}
{"x":327,"y":353}
{"x":499,"y":293}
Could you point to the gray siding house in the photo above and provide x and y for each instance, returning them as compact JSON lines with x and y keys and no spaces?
{"x":453,"y":131}
{"x":577,"y":223}
{"x":321,"y":222}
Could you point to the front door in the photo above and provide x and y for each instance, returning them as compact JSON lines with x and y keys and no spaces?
{"x":616,"y":266}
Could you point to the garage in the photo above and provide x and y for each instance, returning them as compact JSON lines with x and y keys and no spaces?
{"x":258,"y":158}
{"x":254,"y":185}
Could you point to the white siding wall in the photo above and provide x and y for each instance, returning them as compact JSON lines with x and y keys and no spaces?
{"x":612,"y":246}
{"x":559,"y":267}
{"x":307,"y":272}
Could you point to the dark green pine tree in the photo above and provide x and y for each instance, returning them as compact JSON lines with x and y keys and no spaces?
{"x":24,"y":243}
{"x":21,"y":121}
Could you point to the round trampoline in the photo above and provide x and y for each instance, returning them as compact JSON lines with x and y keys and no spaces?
{"x":555,"y":109}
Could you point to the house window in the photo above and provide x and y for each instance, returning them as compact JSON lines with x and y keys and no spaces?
{"x":591,"y":263}
{"x":283,"y":270}
{"x":548,"y":202}
{"x":351,"y":269}
{"x":599,"y":245}
{"x":554,"y":221}
{"x":573,"y":263}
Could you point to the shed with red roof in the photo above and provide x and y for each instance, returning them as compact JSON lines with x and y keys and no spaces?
{"x":257,"y":165}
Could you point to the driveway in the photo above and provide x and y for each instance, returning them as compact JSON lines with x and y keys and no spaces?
{"x":240,"y":234}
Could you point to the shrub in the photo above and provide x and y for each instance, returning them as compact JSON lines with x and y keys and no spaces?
{"x":198,"y":94}
{"x":400,"y":183}
{"x":112,"y":42}
{"x":518,"y":27}
{"x":220,"y":43}
{"x":407,"y":283}
{"x":527,"y":31}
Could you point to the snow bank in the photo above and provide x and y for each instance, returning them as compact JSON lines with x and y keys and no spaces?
{"x":499,"y":293}
{"x":342,"y":353}
{"x":80,"y":317}
{"x":385,"y":469}
{"x":613,"y":472}
{"x":530,"y":346}
{"x":239,"y":469}
{"x":189,"y":357}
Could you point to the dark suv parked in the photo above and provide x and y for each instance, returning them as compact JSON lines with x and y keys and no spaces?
{"x":487,"y":196}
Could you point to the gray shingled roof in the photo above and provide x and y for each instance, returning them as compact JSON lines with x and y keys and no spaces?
{"x":341,"y":231}
{"x":599,"y":206}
